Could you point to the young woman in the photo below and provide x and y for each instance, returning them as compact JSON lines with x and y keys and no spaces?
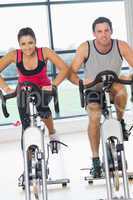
{"x":31,"y":64}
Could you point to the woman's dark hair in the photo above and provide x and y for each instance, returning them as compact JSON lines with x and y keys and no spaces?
{"x":102,"y":20}
{"x":26,"y":31}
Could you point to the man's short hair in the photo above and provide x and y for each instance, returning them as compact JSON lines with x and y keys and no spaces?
{"x":102,"y":20}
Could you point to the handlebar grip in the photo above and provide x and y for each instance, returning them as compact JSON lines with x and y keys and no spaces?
{"x":55,"y":96}
{"x":132,"y":90}
{"x":4,"y":108}
{"x":3,"y":101}
{"x":81,"y":93}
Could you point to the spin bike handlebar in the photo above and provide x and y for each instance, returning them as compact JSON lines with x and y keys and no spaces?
{"x":4,"y":98}
{"x":24,"y":86}
{"x":107,"y":77}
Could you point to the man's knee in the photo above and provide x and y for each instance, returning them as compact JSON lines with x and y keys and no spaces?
{"x":119,"y":90}
{"x":121,"y":96}
{"x":94,"y":111}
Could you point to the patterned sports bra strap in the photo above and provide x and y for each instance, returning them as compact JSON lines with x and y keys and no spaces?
{"x":40,"y":54}
{"x":19,"y":55}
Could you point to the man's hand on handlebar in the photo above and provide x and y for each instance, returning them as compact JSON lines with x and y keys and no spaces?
{"x":87,"y":81}
{"x":123,"y":77}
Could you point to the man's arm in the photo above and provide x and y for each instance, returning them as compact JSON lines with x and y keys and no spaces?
{"x":80,"y":56}
{"x":126,"y":51}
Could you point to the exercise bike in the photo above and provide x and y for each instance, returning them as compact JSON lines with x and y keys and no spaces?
{"x":114,"y":162}
{"x":36,"y":171}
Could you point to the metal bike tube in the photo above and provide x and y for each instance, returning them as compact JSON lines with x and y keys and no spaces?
{"x":125,"y":177}
{"x":108,"y":181}
{"x":107,"y":97}
{"x":26,"y":174}
{"x":44,"y":169}
{"x":104,"y":144}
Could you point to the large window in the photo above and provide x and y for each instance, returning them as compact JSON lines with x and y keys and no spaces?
{"x":72,"y":23}
{"x":62,"y":27}
{"x":16,"y":18}
{"x":19,"y":1}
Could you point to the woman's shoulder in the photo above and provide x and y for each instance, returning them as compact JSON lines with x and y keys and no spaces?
{"x":45,"y":49}
{"x":46,"y":52}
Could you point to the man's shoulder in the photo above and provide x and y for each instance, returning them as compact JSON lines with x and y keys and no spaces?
{"x":83,"y":49}
{"x":123,"y":47}
{"x":84,"y":45}
{"x":122,"y":44}
{"x":88,"y":42}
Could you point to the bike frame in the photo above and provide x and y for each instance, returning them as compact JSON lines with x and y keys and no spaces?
{"x":111,"y":133}
{"x":34,"y":136}
{"x":107,"y":126}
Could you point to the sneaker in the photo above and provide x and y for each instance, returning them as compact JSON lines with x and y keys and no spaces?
{"x":54,"y":146}
{"x":54,"y":143}
{"x":124,"y":131}
{"x":96,"y":170}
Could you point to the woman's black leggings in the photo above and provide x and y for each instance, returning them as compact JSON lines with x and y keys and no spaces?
{"x":41,"y":101}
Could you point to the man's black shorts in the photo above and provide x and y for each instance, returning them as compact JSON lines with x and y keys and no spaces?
{"x":94,"y":96}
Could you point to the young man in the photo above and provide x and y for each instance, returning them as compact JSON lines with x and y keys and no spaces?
{"x":102,"y":53}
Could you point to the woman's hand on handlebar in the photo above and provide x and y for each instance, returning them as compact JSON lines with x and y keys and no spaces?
{"x":49,"y":88}
{"x":8,"y":90}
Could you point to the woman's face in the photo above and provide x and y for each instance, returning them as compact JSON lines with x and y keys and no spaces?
{"x":28,"y":44}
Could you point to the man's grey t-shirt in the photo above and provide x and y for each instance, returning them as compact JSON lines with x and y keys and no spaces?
{"x":98,"y":62}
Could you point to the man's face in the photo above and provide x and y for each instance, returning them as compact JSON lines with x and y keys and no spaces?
{"x":102,"y":33}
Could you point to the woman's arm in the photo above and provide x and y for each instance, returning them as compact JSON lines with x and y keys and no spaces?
{"x":4,"y":62}
{"x":59,"y":63}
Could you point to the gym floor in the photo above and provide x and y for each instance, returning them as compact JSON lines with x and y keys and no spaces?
{"x":67,"y":164}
